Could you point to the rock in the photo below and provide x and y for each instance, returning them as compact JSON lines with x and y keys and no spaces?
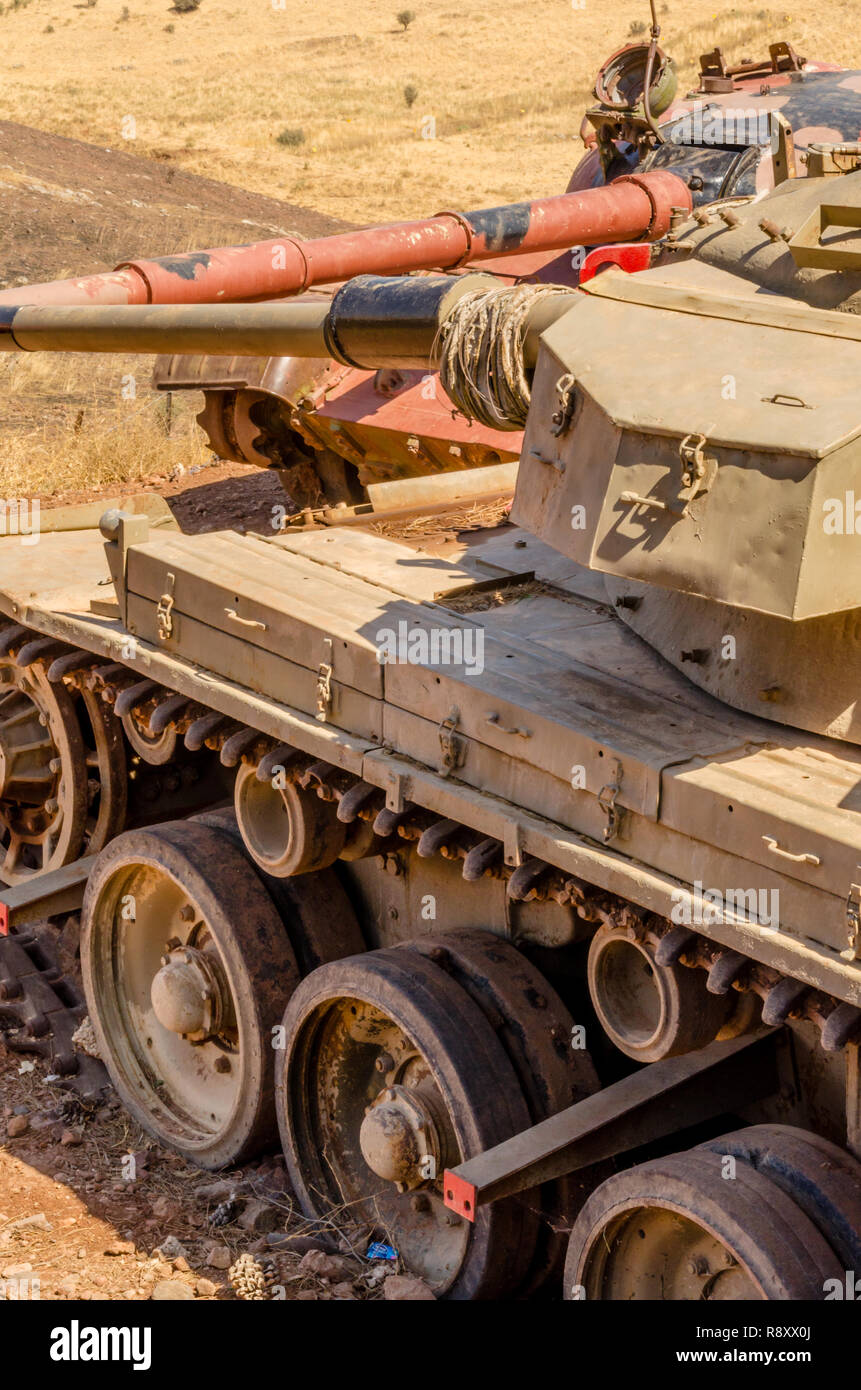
{"x":205,"y":1288}
{"x":69,"y":1285}
{"x":259,"y":1217}
{"x":181,"y":1263}
{"x":324,"y":1266}
{"x":39,"y":1222}
{"x":402,"y":1288}
{"x":307,"y":1296}
{"x":71,"y":1137}
{"x":16,"y":1126}
{"x":218,"y":1257}
{"x":120,"y":1247}
{"x":171,"y":1290}
{"x":165,"y":1209}
{"x":215,"y":1191}
{"x":20,"y":1110}
{"x":344,"y":1290}
{"x":15,"y":1271}
{"x":171,"y":1249}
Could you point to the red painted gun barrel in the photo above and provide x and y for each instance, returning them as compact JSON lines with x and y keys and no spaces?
{"x":633,"y":208}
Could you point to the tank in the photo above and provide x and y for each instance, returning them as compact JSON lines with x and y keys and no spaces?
{"x":515,"y":892}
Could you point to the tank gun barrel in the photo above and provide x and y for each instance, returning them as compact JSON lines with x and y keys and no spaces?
{"x":633,"y":208}
{"x":372,"y":321}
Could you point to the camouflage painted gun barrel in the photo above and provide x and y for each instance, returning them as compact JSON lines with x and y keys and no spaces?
{"x":512,"y":889}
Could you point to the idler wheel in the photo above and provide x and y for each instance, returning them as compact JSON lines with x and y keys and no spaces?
{"x":187,"y":969}
{"x":390,"y":1073}
{"x":677,"y":1229}
{"x":651,"y":1011}
{"x":287,"y":829}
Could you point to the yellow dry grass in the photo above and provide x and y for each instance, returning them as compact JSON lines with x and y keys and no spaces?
{"x":89,"y":434}
{"x":504,"y":80}
{"x":501,"y":85}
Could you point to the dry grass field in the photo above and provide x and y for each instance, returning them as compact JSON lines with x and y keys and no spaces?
{"x":326,"y":106}
{"x":505,"y":84}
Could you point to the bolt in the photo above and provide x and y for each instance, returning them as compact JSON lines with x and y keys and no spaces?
{"x":698,"y":1265}
{"x":55,"y":765}
{"x":187,"y":914}
{"x":420,"y":1202}
{"x":729,"y":217}
{"x":450,"y":1218}
{"x":384,"y":1063}
{"x":52,"y":806}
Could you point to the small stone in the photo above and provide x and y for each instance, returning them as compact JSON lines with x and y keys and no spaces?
{"x":39,"y":1222}
{"x":402,"y":1288}
{"x":171,"y":1290}
{"x":71,"y":1137}
{"x":307,"y":1296}
{"x":344,"y":1290}
{"x":16,"y":1126}
{"x":120,"y":1247}
{"x":259,"y":1217}
{"x":14,"y":1271}
{"x":164,"y":1208}
{"x":171,"y":1249}
{"x":324,"y":1266}
{"x":205,"y":1288}
{"x":181,"y":1263}
{"x":215,"y":1191}
{"x":218,"y":1257}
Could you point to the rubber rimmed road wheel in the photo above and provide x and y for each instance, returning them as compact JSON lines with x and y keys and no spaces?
{"x":676,"y":1229}
{"x":315,"y":908}
{"x":388,"y":1062}
{"x":823,"y":1179}
{"x":187,"y":969}
{"x":535,"y":1028}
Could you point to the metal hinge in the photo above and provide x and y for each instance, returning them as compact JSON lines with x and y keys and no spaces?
{"x":697,"y":476}
{"x":324,"y":684}
{"x":165,"y":610}
{"x":451,"y":746}
{"x":853,"y":922}
{"x":607,"y":801}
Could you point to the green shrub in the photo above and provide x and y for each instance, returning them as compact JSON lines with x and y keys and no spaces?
{"x":291,"y":136}
{"x":405,"y":18}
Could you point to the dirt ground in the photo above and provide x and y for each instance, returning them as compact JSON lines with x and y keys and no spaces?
{"x":74,"y":1219}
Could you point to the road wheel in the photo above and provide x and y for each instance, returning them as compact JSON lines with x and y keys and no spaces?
{"x":187,"y":970}
{"x":678,"y":1229}
{"x":390,"y":1074}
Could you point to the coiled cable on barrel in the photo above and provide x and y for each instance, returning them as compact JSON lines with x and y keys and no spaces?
{"x":480,"y":352}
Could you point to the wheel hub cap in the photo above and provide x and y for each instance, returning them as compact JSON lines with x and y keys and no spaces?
{"x":187,"y":995}
{"x":399,"y":1138}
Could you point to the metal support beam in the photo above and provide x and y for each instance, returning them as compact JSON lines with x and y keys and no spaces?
{"x":46,"y":895}
{"x":648,"y":1105}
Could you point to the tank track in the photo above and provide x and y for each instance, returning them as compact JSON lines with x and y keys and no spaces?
{"x":43,"y":1008}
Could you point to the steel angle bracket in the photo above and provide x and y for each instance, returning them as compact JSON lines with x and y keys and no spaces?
{"x":650,"y":1104}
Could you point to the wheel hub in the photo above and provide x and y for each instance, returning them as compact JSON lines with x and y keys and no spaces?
{"x":188,"y":995}
{"x":400,"y":1138}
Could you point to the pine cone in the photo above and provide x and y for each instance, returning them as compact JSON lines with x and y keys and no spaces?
{"x":252,"y":1277}
{"x":225,"y":1212}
